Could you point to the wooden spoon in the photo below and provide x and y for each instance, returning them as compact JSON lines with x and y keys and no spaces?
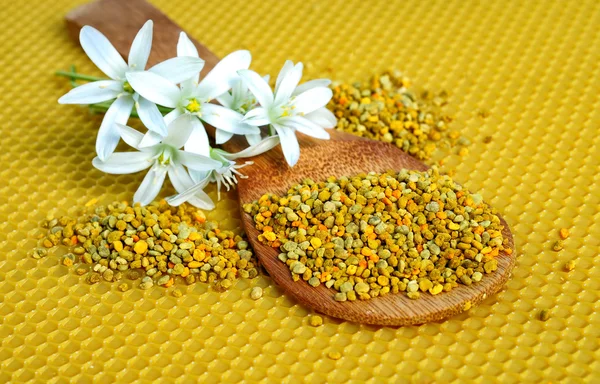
{"x":342,"y":155}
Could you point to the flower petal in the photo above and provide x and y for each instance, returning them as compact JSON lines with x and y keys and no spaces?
{"x":154,"y":88}
{"x":140,"y":48}
{"x":257,"y":117}
{"x":178,"y":69}
{"x":171,"y":116}
{"x":151,"y":185}
{"x":188,"y":87}
{"x":179,"y":177}
{"x":258,"y":86}
{"x":239,"y":89}
{"x":197,"y":162}
{"x":185,"y":46}
{"x":262,"y":146}
{"x":222,"y":136}
{"x":226,"y":100}
{"x":108,"y":134}
{"x":285,"y":89}
{"x":130,"y":135}
{"x":223,"y":76}
{"x":253,"y":139}
{"x":310,"y":85}
{"x":312,"y":99}
{"x":226,"y":119}
{"x":198,"y":176}
{"x":289,"y":144}
{"x":102,"y":53}
{"x":306,"y":126}
{"x":322,"y":117}
{"x":182,"y":181}
{"x":151,"y":116}
{"x":180,"y":130}
{"x":150,"y":139}
{"x":198,"y":140}
{"x":92,"y":93}
{"x":202,"y":201}
{"x":193,"y":194}
{"x":287,"y":67}
{"x":121,"y":163}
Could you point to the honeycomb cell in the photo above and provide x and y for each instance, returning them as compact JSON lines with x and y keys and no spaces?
{"x":524,"y":75}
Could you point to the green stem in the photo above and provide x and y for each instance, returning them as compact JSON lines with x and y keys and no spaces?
{"x":164,"y":110}
{"x":72,"y":80}
{"x":103,"y":107}
{"x":74,"y":75}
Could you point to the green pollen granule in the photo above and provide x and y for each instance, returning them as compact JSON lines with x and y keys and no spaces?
{"x":372,"y":234}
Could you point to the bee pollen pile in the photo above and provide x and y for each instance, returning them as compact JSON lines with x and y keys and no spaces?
{"x":372,"y":234}
{"x":161,"y":241}
{"x":384,"y":109}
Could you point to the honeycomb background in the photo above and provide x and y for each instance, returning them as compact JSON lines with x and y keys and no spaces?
{"x":532,"y":66}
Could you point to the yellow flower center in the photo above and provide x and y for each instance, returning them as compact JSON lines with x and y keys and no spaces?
{"x":127,"y":87}
{"x":193,"y":106}
{"x":164,"y":159}
{"x":287,"y":110}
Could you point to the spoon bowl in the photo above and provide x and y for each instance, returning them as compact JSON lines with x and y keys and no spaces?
{"x":347,"y":155}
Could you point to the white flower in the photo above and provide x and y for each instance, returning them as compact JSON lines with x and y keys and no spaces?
{"x":194,"y":98}
{"x":107,"y":59}
{"x":227,"y":173}
{"x":289,"y":110}
{"x":241,"y":100}
{"x":165,"y":157}
{"x":321,"y":116}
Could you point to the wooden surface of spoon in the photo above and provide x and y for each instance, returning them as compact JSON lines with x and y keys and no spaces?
{"x":342,"y":155}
